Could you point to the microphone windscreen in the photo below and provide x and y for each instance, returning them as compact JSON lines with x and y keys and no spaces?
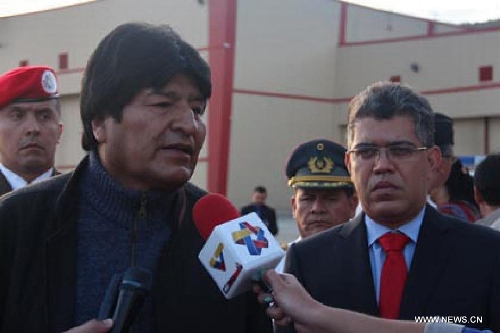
{"x":137,"y":277}
{"x":210,"y":211}
{"x":133,"y":290}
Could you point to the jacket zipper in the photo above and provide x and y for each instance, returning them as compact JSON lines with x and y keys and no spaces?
{"x":141,"y":216}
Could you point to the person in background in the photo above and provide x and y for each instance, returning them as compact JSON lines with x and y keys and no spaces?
{"x":267,"y":214}
{"x":127,"y":204}
{"x":323,"y":193}
{"x":400,"y":258}
{"x":456,"y":196}
{"x":291,"y":303}
{"x":444,"y":139}
{"x":487,"y":190}
{"x":451,"y":188}
{"x":30,"y":126}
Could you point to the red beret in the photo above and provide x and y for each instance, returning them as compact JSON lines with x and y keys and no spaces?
{"x":28,"y":84}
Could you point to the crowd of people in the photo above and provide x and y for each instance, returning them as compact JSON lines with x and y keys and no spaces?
{"x":423,"y":243}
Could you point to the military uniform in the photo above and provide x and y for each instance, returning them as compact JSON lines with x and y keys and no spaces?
{"x":26,"y":84}
{"x":318,"y":165}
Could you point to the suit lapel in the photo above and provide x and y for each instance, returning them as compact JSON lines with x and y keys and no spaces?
{"x":432,"y":246}
{"x":357,"y":275}
{"x":4,"y":184}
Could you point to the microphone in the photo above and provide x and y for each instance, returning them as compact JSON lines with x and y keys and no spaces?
{"x":210,"y":211}
{"x":237,"y":248}
{"x":124,"y":304}
{"x":108,"y":304}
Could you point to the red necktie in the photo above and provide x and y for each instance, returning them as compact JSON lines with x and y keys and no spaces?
{"x":393,"y":278}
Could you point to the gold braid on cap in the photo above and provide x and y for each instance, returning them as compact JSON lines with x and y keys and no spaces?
{"x":321,"y":178}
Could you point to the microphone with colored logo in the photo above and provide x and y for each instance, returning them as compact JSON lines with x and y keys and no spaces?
{"x":237,"y":248}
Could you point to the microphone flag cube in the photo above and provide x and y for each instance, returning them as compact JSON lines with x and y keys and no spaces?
{"x":238,"y":249}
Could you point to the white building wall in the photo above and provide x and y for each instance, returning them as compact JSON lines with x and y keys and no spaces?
{"x":444,"y":62}
{"x":494,"y":133}
{"x":287,"y":46}
{"x":40,"y":37}
{"x":264,"y":131}
{"x":283,"y":47}
{"x":69,"y":151}
{"x":367,"y":24}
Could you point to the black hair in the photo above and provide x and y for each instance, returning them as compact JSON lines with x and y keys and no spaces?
{"x":460,"y":184}
{"x":487,"y":179}
{"x":385,"y":100}
{"x":133,"y":57}
{"x":260,"y":189}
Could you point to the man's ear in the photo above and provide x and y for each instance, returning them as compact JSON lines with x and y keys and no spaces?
{"x":99,"y":130}
{"x":434,"y":158}
{"x":347,"y":161}
{"x":59,"y":132}
{"x":293,"y":203}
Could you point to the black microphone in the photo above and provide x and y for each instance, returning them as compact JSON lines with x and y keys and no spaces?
{"x":133,"y":290}
{"x":108,"y":305}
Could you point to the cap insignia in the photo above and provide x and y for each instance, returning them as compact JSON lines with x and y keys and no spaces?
{"x":49,"y":83}
{"x":320,"y":164}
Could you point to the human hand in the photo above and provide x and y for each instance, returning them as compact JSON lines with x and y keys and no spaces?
{"x":291,"y":301}
{"x":93,"y":326}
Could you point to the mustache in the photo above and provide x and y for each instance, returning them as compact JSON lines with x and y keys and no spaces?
{"x":30,"y":143}
{"x":384,"y":184}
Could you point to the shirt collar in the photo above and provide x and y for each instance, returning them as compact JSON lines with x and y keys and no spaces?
{"x":17,"y":181}
{"x":410,"y":229}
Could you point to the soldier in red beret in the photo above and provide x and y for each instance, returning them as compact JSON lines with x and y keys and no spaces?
{"x":30,"y":126}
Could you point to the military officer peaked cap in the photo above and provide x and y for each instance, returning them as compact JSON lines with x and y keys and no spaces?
{"x":318,"y":164}
{"x":28,"y":84}
{"x":443,"y":134}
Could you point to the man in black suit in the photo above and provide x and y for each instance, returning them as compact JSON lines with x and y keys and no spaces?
{"x":445,"y":267}
{"x":267,"y":214}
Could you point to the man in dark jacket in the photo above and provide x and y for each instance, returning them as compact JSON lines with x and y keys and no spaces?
{"x":30,"y":126}
{"x":258,"y":205}
{"x":127,"y":204}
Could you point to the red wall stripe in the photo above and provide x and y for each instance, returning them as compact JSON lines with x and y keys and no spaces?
{"x":291,"y":96}
{"x":420,"y":37}
{"x":343,"y":23}
{"x":444,"y":91}
{"x":453,"y":90}
{"x":222,"y":31}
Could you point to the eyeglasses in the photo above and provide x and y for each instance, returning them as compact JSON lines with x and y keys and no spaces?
{"x":394,"y":153}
